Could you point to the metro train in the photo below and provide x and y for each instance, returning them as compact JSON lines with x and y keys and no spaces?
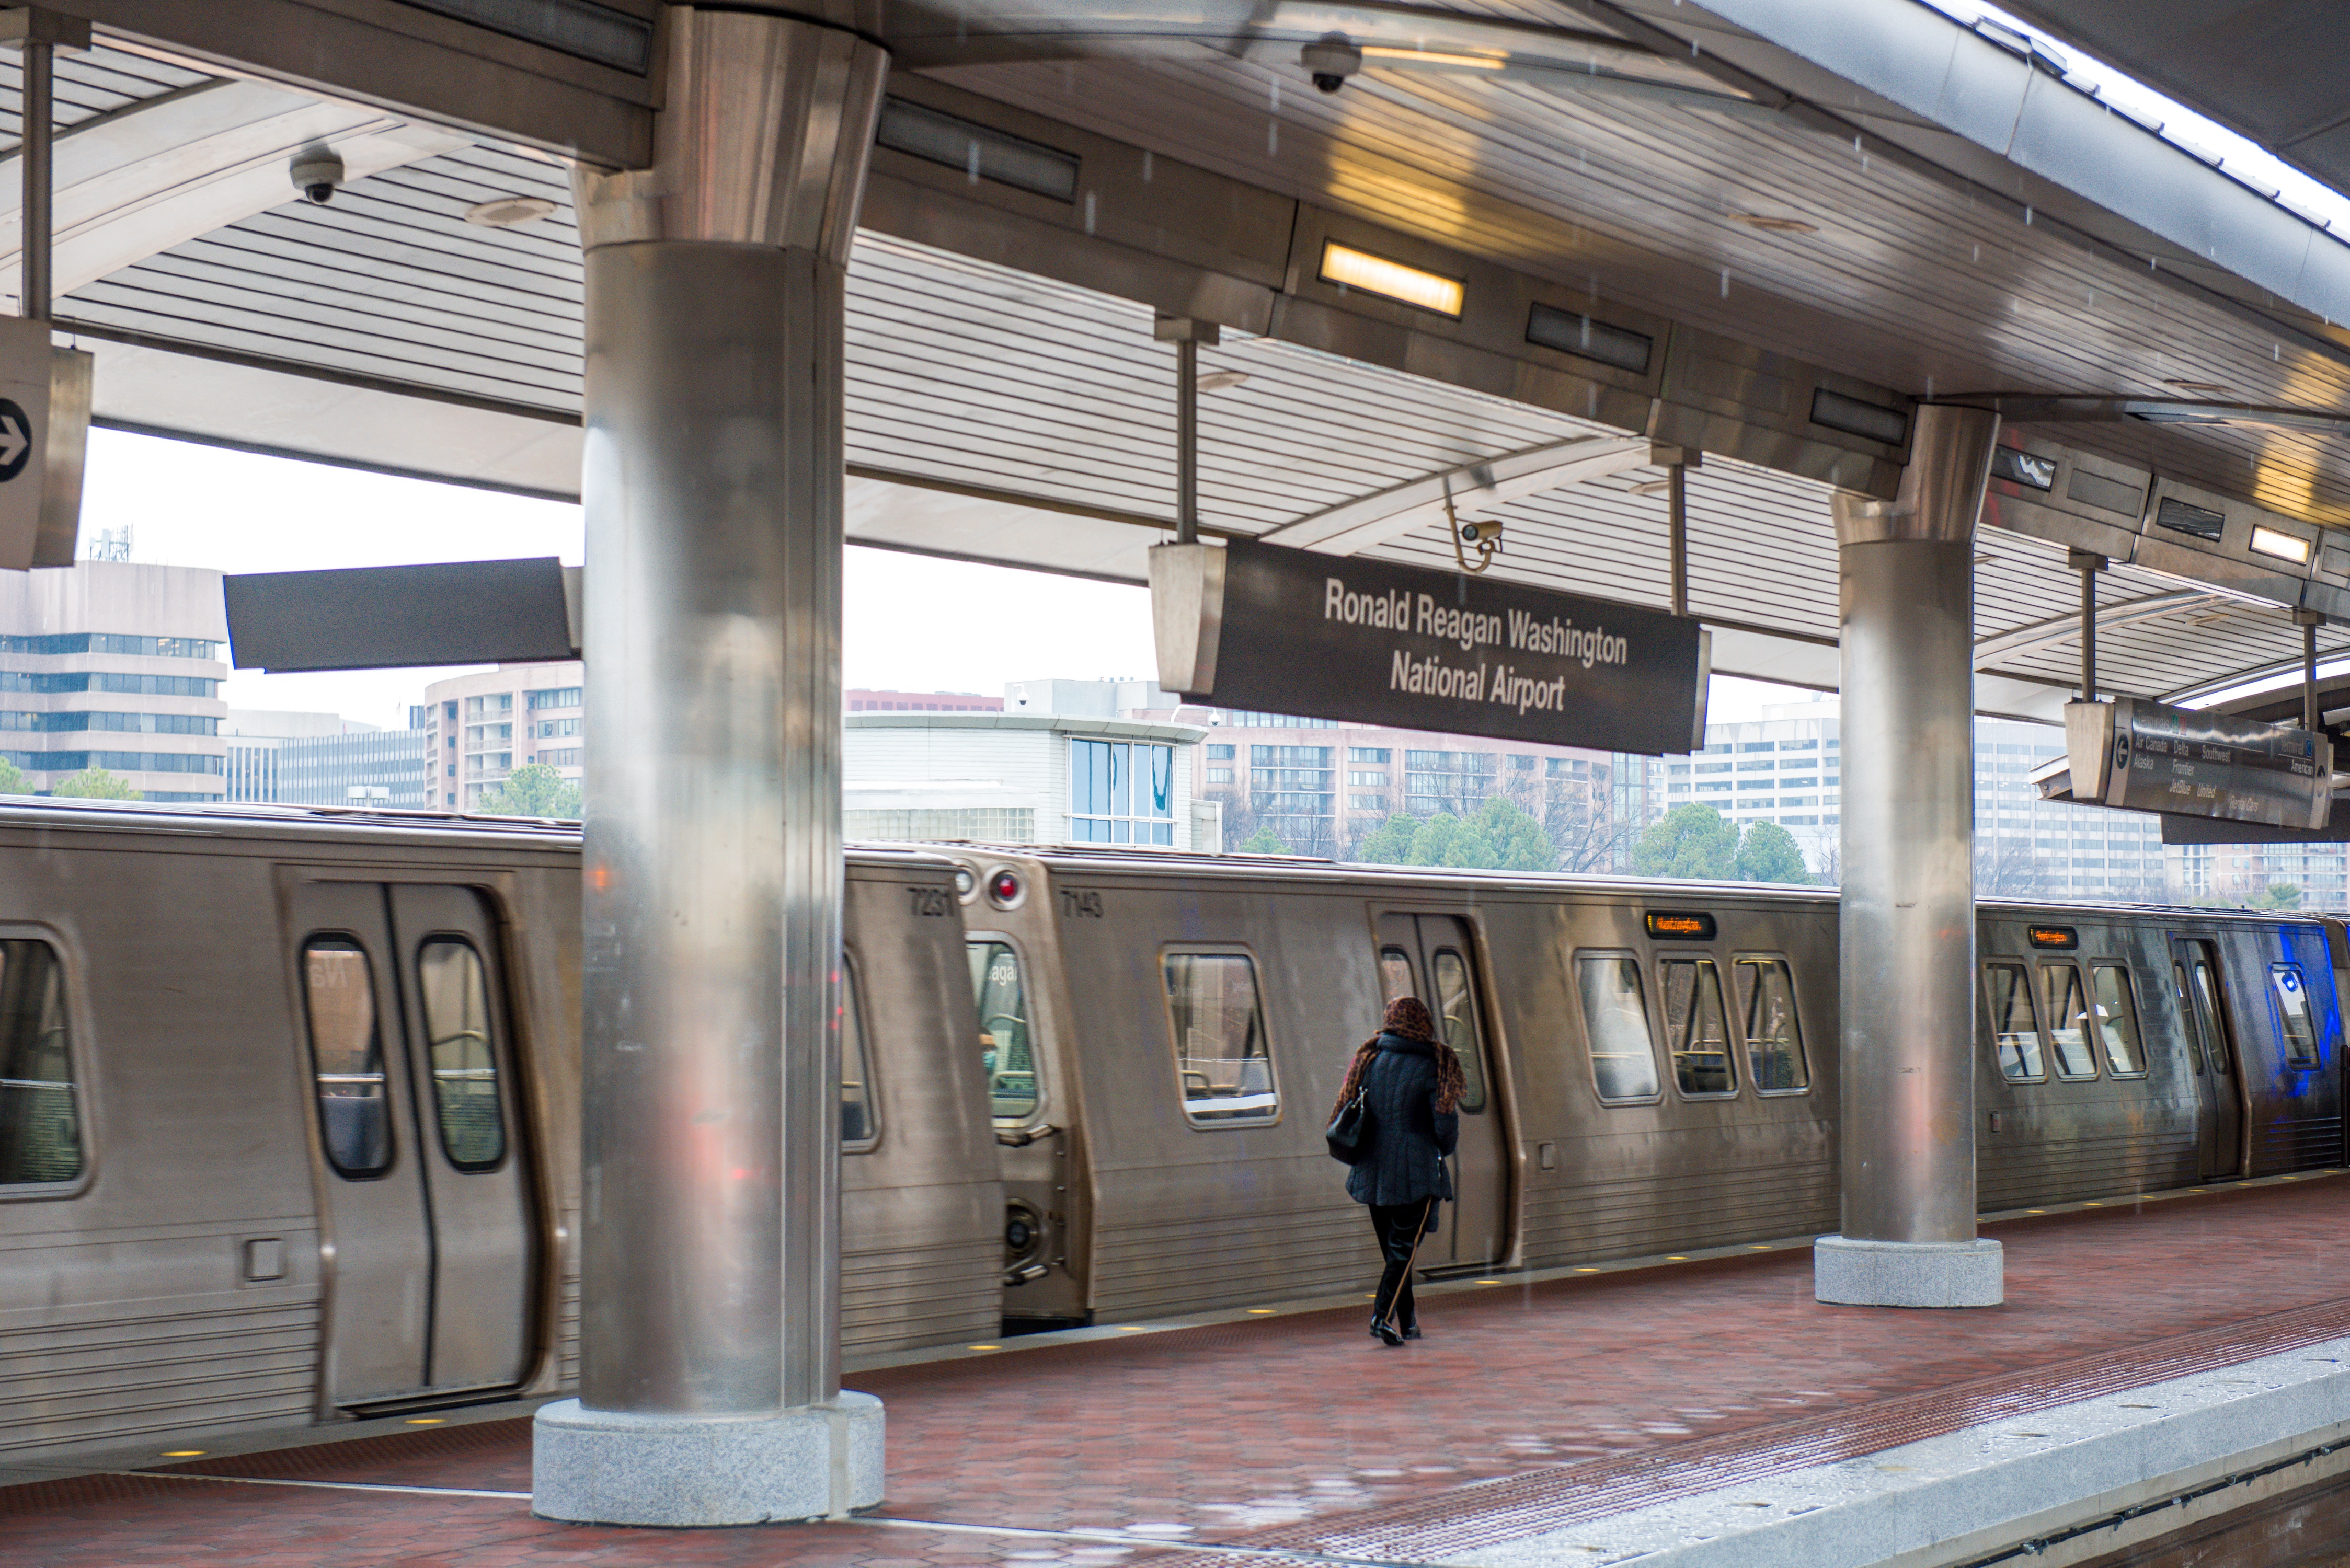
{"x":289,"y":1098}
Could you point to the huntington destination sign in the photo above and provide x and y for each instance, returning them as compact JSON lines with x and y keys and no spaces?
{"x":1335,"y":636}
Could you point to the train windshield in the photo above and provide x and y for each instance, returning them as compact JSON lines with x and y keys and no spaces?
{"x":1005,"y":1047}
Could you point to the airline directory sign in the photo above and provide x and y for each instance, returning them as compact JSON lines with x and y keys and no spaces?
{"x":1262,"y":627}
{"x":2149,"y":756}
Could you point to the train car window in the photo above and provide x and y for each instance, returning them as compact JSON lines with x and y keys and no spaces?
{"x":40,"y":1111}
{"x":1223,"y":1063}
{"x":2068,"y":1021}
{"x":2117,"y":1022}
{"x":1005,"y":1046}
{"x":1775,"y":1036}
{"x":1456,"y":1014}
{"x":2013,"y":1028}
{"x":2208,"y":1015}
{"x":1395,"y":974}
{"x":1697,"y":1027}
{"x":1616,"y":1018}
{"x":861,"y":1129}
{"x":2291,"y":992}
{"x":347,"y":1056}
{"x":2187,"y":1018}
{"x":464,"y":1059}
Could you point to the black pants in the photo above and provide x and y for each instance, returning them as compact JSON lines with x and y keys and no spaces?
{"x":1399,"y":1228}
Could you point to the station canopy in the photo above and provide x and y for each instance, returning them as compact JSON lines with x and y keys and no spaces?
{"x":1518,"y":256}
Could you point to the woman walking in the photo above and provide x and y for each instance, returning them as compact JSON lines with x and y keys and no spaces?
{"x":1413,"y":1085}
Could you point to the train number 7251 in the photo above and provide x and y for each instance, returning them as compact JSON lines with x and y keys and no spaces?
{"x":932,"y":903}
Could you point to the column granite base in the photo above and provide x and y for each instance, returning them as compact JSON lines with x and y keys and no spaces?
{"x":602,"y":1467}
{"x":1848,"y":1272}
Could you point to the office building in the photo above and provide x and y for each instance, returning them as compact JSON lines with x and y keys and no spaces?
{"x":864,"y":701}
{"x":1022,"y":778}
{"x":1783,"y":768}
{"x":479,"y":728}
{"x":115,"y":665}
{"x":324,"y":759}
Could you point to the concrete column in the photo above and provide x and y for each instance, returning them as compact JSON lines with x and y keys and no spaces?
{"x":710,"y":1238}
{"x":1907,"y":984}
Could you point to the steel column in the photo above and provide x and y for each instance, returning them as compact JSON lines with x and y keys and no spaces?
{"x":38,"y":117}
{"x":1907,"y":927}
{"x":712,"y":485}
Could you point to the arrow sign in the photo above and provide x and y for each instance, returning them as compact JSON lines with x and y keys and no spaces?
{"x":16,"y":440}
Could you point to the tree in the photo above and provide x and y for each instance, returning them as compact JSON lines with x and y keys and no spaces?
{"x":1688,"y":841}
{"x":1768,"y":853}
{"x":2278,"y":896}
{"x":1264,"y":841}
{"x":94,"y":783}
{"x":534,"y":790}
{"x":12,"y":780}
{"x":1587,"y":836}
{"x":1514,"y":841}
{"x":2009,"y":868}
{"x":1390,"y":842}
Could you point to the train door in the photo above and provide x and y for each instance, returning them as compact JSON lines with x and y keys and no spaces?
{"x":1431,"y":957}
{"x":428,"y":1194}
{"x":2211,"y":1051}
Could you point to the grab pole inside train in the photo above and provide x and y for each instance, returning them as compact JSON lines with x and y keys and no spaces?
{"x":1907,"y":933}
{"x":709,"y":1389}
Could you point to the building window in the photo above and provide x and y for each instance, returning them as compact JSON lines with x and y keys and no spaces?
{"x":1121,"y":791}
{"x":495,"y":703}
{"x":1219,"y":754}
{"x":557,"y":697}
{"x":1367,"y":754}
{"x":1367,"y":780}
{"x":553,"y":727}
{"x":1220,"y":775}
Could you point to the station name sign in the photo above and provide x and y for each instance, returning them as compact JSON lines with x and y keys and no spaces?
{"x":2149,"y":756}
{"x":1262,"y":627}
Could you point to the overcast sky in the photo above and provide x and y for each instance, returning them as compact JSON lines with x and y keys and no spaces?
{"x":912,"y":623}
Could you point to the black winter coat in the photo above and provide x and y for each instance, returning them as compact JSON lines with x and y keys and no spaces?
{"x":1405,"y":1160}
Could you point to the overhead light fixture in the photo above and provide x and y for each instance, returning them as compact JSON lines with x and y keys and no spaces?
{"x":603,"y":34}
{"x":1218,"y":380}
{"x":506,"y":212}
{"x":1775,"y":224}
{"x":1572,"y":332}
{"x":2023,"y":467}
{"x":1429,"y":291}
{"x":2185,"y":517}
{"x":1432,"y":57}
{"x":1853,"y":416}
{"x":980,"y":151}
{"x":2284,"y":546}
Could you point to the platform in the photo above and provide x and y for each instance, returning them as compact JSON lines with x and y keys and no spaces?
{"x":1539,"y":1416}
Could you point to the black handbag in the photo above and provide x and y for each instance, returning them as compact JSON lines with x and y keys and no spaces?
{"x":1349,"y":1132}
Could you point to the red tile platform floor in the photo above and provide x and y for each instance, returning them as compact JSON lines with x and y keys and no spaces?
{"x":1255,"y":1442}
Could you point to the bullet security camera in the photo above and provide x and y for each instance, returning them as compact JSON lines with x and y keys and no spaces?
{"x":1331,"y":62}
{"x":317,"y":172}
{"x":1479,"y":533}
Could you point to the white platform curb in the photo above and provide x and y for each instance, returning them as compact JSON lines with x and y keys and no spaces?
{"x":598,"y":1467}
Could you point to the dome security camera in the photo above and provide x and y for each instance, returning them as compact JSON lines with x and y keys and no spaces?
{"x":316,"y":171}
{"x":1331,"y":62}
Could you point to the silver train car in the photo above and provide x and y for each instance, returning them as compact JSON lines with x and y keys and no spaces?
{"x":289,"y":1099}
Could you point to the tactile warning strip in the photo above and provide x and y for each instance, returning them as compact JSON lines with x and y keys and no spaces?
{"x":1429,"y":1528}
